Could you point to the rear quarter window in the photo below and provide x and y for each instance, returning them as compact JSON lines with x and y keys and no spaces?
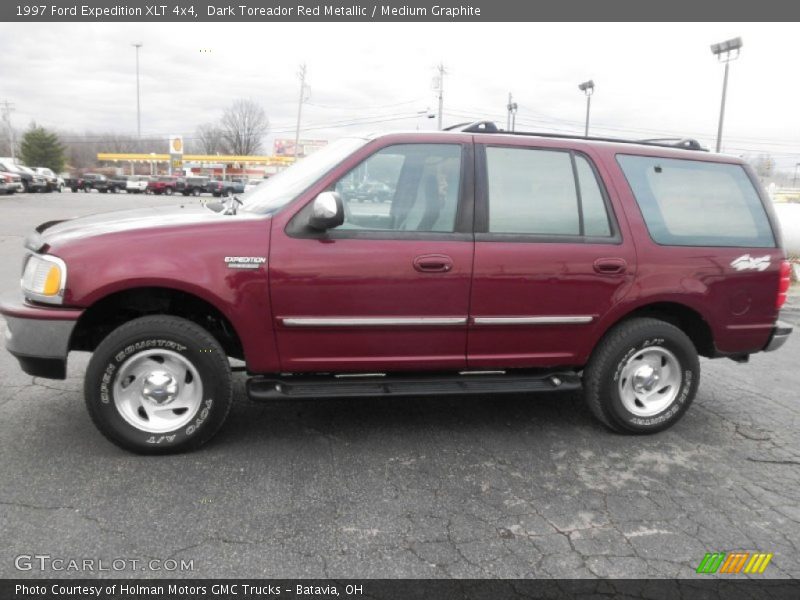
{"x":696,"y":203}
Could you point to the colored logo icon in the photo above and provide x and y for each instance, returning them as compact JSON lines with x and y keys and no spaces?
{"x":734,"y":562}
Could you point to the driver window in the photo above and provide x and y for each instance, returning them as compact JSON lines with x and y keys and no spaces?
{"x":408,"y":187}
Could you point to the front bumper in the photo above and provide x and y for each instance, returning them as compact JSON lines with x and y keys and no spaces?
{"x":780,"y":333}
{"x":38,"y":337}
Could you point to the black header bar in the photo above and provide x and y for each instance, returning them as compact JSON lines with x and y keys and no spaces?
{"x":395,"y":10}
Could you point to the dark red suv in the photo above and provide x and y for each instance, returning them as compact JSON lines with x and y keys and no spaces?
{"x":495,"y":262}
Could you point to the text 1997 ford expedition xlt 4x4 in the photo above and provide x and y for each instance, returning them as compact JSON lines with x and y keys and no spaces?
{"x":492,"y":262}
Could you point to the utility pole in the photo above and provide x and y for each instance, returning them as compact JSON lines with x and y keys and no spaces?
{"x":7,"y":110}
{"x":302,"y":75}
{"x":440,"y":89}
{"x":511,"y":119}
{"x":138,"y":45}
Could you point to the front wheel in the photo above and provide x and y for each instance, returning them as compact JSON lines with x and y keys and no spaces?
{"x":159,"y":385}
{"x":642,"y":376}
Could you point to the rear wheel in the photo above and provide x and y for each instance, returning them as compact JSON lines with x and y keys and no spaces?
{"x":158,"y":385}
{"x":195,"y":192}
{"x":25,"y":186}
{"x":642,"y":376}
{"x":168,"y":191}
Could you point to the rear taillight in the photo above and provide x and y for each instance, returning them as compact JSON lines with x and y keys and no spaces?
{"x":783,"y":283}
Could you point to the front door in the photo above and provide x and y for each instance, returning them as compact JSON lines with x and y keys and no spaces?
{"x":550,"y":258}
{"x":389,"y":288}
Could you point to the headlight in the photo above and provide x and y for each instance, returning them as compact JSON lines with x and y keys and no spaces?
{"x":44,"y":278}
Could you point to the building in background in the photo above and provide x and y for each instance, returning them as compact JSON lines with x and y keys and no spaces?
{"x":285,"y":147}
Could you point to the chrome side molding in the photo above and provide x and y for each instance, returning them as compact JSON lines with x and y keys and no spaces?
{"x":373,"y":321}
{"x":554,"y":320}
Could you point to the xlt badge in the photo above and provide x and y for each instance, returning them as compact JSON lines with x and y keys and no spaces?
{"x":245,"y":262}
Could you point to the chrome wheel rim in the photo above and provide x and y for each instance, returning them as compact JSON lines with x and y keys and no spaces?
{"x":157,"y":391}
{"x":649,"y":381}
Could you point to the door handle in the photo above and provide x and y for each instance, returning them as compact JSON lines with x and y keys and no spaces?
{"x":610,"y":266}
{"x":433,"y":263}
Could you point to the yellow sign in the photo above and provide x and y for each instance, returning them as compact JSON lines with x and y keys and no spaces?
{"x":176,"y":145}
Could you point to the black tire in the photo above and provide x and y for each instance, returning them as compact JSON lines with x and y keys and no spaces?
{"x":25,"y":186}
{"x":113,"y":189}
{"x":601,"y":378}
{"x":171,"y":334}
{"x":168,"y":191}
{"x":195,"y":192}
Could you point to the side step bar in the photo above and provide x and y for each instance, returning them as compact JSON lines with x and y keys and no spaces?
{"x":326,"y":386}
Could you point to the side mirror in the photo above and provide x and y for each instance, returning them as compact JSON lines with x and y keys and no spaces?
{"x":327,"y":211}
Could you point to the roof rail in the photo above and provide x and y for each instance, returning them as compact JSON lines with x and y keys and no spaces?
{"x":687,"y":143}
{"x":474,"y":127}
{"x":490,"y":127}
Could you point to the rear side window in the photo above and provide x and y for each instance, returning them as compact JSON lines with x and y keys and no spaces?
{"x":544,"y":192}
{"x":695,"y":203}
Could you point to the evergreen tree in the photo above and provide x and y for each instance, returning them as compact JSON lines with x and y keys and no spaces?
{"x":42,"y":148}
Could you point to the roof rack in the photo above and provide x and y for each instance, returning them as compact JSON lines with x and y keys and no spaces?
{"x":490,"y":127}
{"x":475,"y":127}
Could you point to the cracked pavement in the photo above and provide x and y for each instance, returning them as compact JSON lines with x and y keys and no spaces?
{"x":503,"y":486}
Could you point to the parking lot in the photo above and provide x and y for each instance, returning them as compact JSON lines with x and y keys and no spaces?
{"x":504,"y":486}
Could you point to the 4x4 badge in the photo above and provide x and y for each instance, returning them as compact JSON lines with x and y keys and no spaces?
{"x":746,"y":262}
{"x":245,"y":262}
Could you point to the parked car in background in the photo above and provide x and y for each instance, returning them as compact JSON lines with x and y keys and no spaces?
{"x":73,"y":182}
{"x":102,"y":183}
{"x":218,"y":187}
{"x":54,"y":182}
{"x":31,"y":182}
{"x":165,"y":184}
{"x":373,"y":191}
{"x":192,"y":186}
{"x":136,"y":184}
{"x":253,"y":183}
{"x":10,"y":183}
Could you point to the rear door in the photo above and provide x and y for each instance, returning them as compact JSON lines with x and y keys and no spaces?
{"x":388,"y":289}
{"x":550,"y":255}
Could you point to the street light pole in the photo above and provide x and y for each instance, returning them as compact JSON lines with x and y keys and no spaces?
{"x":587,"y":87}
{"x":138,"y":45}
{"x":725,"y":52}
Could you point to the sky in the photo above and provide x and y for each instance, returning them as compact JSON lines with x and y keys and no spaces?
{"x":652,"y":80}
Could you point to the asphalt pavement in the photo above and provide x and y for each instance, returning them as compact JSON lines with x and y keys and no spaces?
{"x":495,"y":486}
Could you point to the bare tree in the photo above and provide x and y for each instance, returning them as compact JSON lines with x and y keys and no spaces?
{"x":210,"y":139}
{"x":244,"y":125}
{"x":764,"y":165}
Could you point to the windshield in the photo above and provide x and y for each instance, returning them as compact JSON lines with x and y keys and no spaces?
{"x":277,"y":191}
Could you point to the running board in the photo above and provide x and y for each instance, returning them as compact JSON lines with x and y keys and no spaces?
{"x":324,"y":386}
